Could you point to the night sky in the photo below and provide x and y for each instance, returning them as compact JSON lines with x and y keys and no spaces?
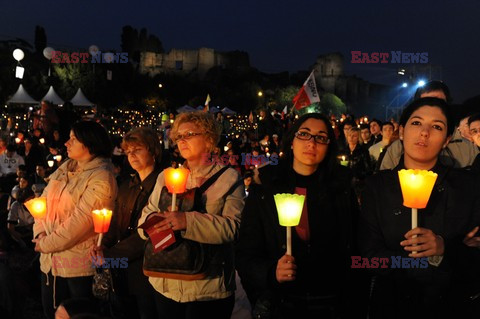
{"x":279,"y":35}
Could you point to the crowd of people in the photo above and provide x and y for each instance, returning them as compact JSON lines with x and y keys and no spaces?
{"x":346,"y":167}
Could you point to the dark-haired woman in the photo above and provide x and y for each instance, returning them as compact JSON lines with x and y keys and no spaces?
{"x":83,"y":183}
{"x":312,"y":282}
{"x":442,"y":283}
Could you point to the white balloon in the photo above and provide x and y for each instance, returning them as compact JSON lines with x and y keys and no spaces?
{"x":48,"y":52}
{"x":93,"y":49}
{"x":108,"y":57}
{"x":18,"y":54}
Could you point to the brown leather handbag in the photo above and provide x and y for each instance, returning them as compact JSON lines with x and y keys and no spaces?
{"x":185,"y":259}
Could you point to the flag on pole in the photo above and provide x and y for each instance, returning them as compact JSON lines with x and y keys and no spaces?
{"x":284,"y":111}
{"x":308,"y":93}
{"x":207,"y":101}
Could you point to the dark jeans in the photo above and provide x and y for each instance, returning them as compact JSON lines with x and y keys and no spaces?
{"x":212,"y":309}
{"x":63,"y":289}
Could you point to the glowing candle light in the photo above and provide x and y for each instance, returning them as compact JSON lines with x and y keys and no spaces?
{"x":101,"y":222}
{"x":289,"y":208}
{"x":38,"y":208}
{"x":417,"y":186}
{"x":176,"y":182}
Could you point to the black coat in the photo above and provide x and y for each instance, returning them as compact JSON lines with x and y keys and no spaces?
{"x":452,"y":211}
{"x":122,"y":238}
{"x":323,"y":262}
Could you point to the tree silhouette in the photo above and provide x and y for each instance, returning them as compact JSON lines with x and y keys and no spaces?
{"x":40,"y":39}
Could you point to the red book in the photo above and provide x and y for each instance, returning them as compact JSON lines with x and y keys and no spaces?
{"x":160,"y":239}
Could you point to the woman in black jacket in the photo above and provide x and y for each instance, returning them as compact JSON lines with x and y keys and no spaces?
{"x":312,"y":282}
{"x":441,"y":283}
{"x":133,"y":295}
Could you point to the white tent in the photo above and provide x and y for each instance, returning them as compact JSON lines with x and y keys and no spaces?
{"x":185,"y":108}
{"x":215,"y":110}
{"x":228,"y":111}
{"x":53,"y":97}
{"x":80,"y":100}
{"x":22,"y":97}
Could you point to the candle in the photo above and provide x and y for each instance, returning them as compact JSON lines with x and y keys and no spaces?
{"x":17,"y":140}
{"x":343,"y":162}
{"x":42,"y":140}
{"x":50,"y":163}
{"x":417,"y":186}
{"x":289,"y":208}
{"x":176,"y":182}
{"x":59,"y":158}
{"x":101,"y":222}
{"x":38,"y":208}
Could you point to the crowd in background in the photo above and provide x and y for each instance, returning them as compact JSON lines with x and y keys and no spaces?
{"x":31,"y":158}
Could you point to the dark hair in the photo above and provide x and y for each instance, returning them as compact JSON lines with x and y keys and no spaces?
{"x":330,"y":159}
{"x":11,"y":148}
{"x":145,"y":137}
{"x":94,"y":137}
{"x":429,"y":101}
{"x":387,"y":123}
{"x":347,"y":122}
{"x":474,"y":118}
{"x":364,"y":126}
{"x":22,"y":167}
{"x":434,"y":86}
{"x":376,"y":121}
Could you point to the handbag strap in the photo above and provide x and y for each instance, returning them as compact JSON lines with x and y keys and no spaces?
{"x":211,"y":180}
{"x":197,"y":202}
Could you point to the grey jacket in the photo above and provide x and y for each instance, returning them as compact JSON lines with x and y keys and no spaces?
{"x":219,"y":226}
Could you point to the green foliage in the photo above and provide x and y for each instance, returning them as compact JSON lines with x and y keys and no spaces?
{"x":329,"y":104}
{"x":332,"y":104}
{"x":284,"y":96}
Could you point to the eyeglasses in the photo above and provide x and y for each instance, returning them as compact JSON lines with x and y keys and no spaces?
{"x":319,"y":139}
{"x":474,"y":131}
{"x":185,"y":136}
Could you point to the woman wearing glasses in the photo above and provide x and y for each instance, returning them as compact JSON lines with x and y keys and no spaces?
{"x":311,"y":282}
{"x":196,"y":135}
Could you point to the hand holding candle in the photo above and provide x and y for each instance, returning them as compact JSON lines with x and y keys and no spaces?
{"x":343,"y":162}
{"x":176,"y":182}
{"x":101,"y":222}
{"x":289,"y":208}
{"x":38,"y":208}
{"x":417,"y":186}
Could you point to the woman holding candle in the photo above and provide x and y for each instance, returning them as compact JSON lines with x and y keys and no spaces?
{"x":133,"y":296}
{"x":196,"y":135}
{"x":444,"y":283}
{"x":83,"y":183}
{"x":312,"y":282}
